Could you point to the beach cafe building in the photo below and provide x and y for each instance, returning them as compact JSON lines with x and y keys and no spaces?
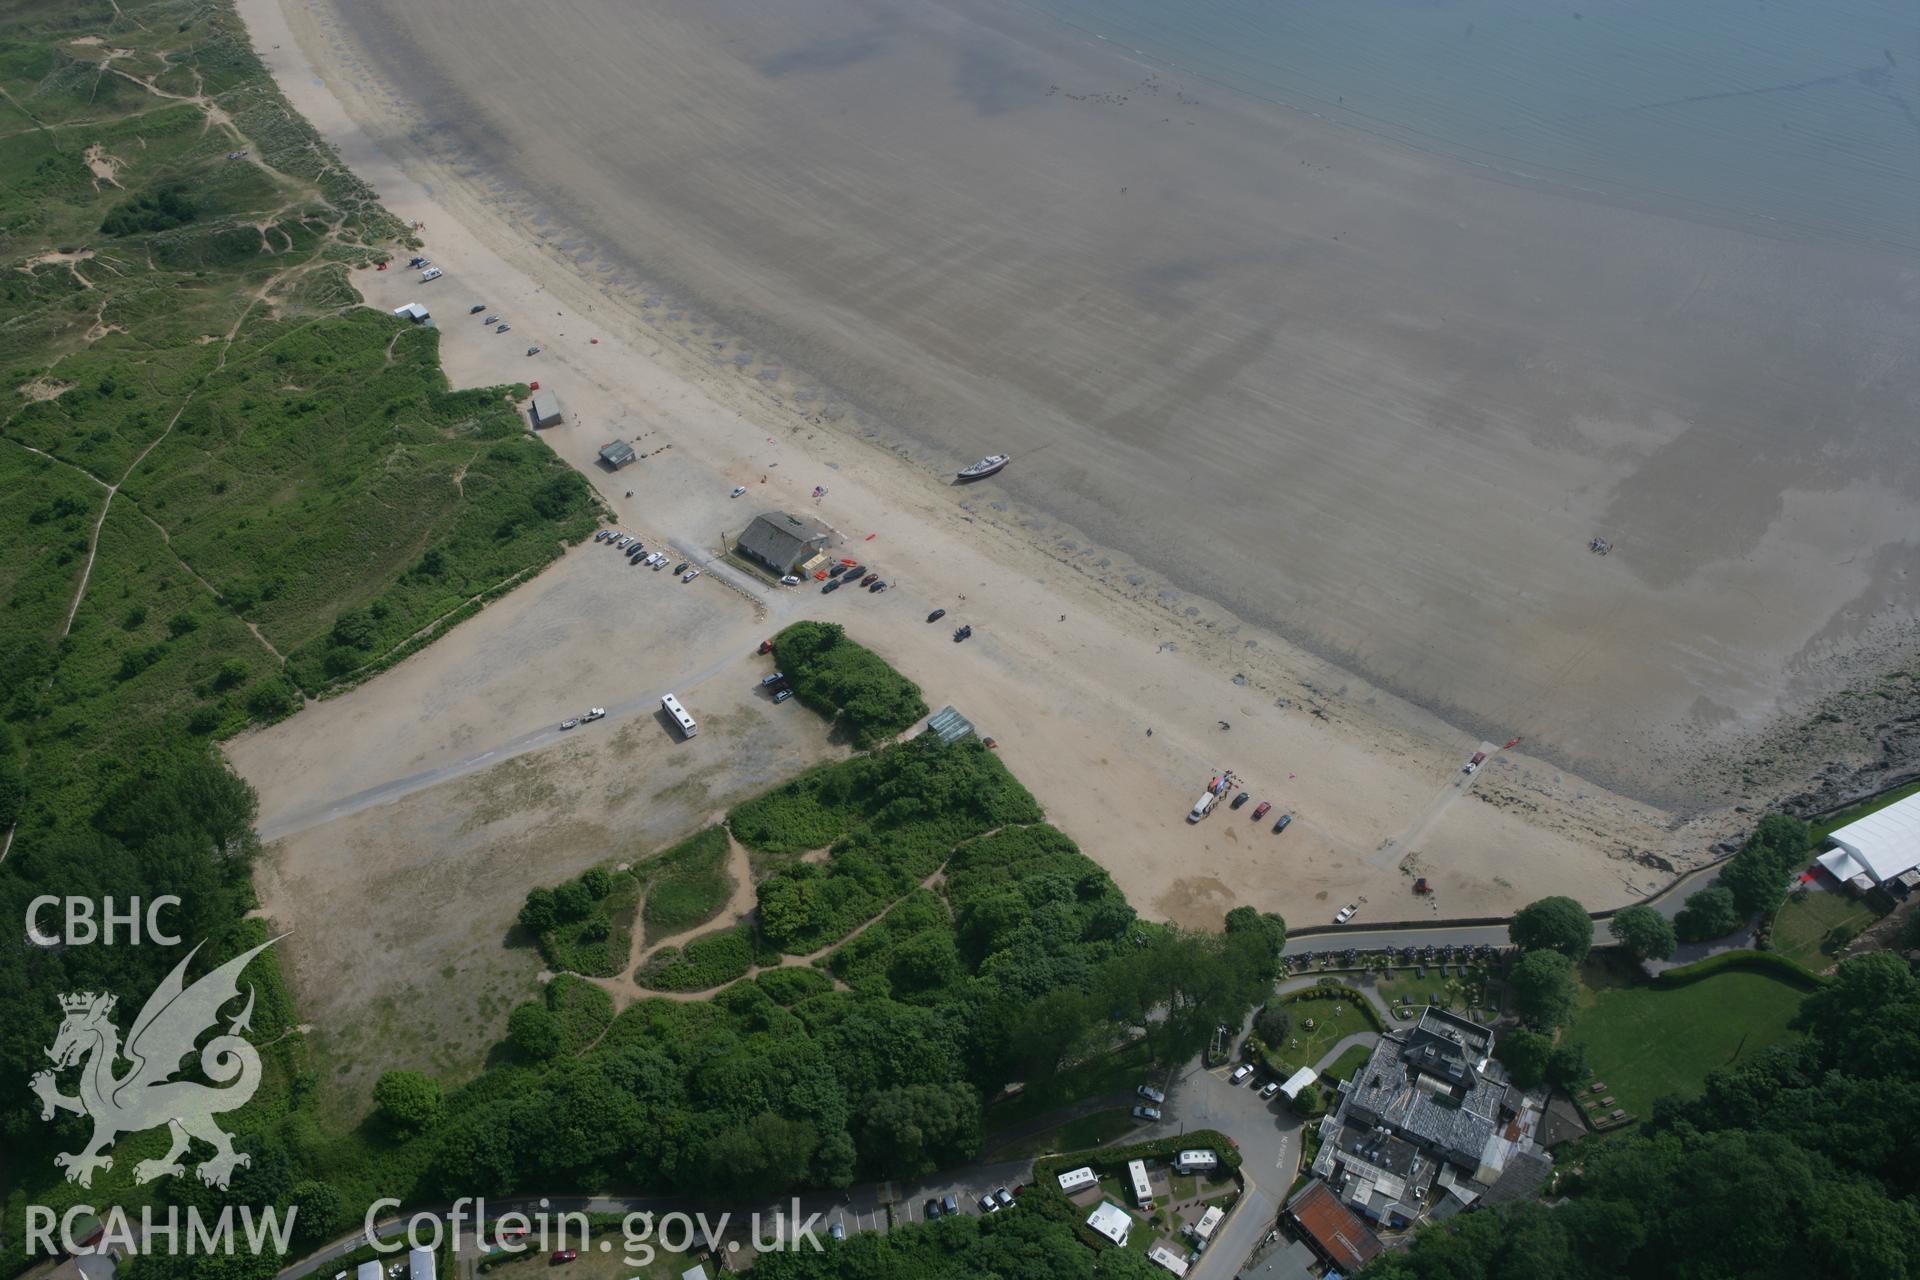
{"x":1881,"y":849}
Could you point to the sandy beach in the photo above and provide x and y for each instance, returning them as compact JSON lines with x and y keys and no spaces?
{"x":1107,"y":696}
{"x":1257,"y":369}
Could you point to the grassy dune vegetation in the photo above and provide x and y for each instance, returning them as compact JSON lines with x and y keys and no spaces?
{"x":225,"y":486}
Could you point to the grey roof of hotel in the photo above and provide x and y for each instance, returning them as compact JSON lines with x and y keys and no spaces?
{"x":1455,"y":1110}
{"x":779,"y":537}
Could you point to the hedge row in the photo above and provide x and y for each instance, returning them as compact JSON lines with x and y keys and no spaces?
{"x":1767,"y":962}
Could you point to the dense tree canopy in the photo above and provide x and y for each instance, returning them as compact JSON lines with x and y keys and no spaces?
{"x":1556,"y":924}
{"x":1644,"y":932}
{"x":1543,"y":989}
{"x":1709,"y":913}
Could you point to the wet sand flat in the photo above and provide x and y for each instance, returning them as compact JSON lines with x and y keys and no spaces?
{"x":1373,"y":399}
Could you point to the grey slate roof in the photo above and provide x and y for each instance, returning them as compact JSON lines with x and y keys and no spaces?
{"x":780,"y":539}
{"x":1428,"y":1085}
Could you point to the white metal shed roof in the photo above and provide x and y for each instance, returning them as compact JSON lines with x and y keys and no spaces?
{"x":1885,"y":843}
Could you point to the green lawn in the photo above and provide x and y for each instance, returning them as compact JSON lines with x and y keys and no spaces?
{"x":1075,"y":1135}
{"x":1333,"y":1020}
{"x":1647,"y":1042}
{"x":1803,"y":923}
{"x":1403,"y":989}
{"x":687,"y":885}
{"x":1853,"y":813}
{"x":1347,"y":1063}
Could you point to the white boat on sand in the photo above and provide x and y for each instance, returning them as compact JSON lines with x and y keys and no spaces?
{"x":986,"y":466}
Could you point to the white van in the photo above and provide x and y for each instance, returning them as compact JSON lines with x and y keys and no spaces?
{"x":431,"y":273}
{"x":1202,"y":807}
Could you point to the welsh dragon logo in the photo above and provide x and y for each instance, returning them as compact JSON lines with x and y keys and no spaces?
{"x":146,"y":1095}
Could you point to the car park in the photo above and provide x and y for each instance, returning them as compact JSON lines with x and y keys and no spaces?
{"x":1145,"y":1112}
{"x":1151,"y":1094}
{"x":1240,"y":1074}
{"x":1286,"y":820}
{"x":936,"y":615}
{"x":1260,"y":810}
{"x":571,"y":722}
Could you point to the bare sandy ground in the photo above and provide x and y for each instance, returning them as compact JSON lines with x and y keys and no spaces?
{"x":403,"y":906}
{"x":1368,"y":399}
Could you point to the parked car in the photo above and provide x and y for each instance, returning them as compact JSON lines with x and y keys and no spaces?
{"x":1145,"y":1112}
{"x":563,"y":1255}
{"x":1240,"y":799}
{"x":855,"y":570}
{"x":932,"y":1210}
{"x":869,"y":580}
{"x":836,"y":571}
{"x":680,"y":568}
{"x":737,"y":491}
{"x":430,"y":275}
{"x":766,"y":646}
{"x":571,"y":722}
{"x":936,"y":615}
{"x":689,"y":575}
{"x":878,"y":587}
{"x":1270,"y":1088}
{"x":948,"y":1203}
{"x":491,"y":319}
{"x":962,"y":634}
{"x":601,"y":535}
{"x":1260,"y":810}
{"x":594,"y":713}
{"x":476,"y":308}
{"x":1151,"y":1094}
{"x":1346,"y":913}
{"x":833,"y":585}
{"x":837,"y":1231}
{"x":988,"y":1204}
{"x":534,"y":350}
{"x":775,"y":678}
{"x":1004,"y":1196}
{"x":501,"y":328}
{"x":783,"y":693}
{"x":1240,"y":1074}
{"x":1286,"y":820}
{"x":791,"y":580}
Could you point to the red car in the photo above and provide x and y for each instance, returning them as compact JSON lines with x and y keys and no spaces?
{"x":1261,"y":812}
{"x":563,"y":1255}
{"x":766,"y":646}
